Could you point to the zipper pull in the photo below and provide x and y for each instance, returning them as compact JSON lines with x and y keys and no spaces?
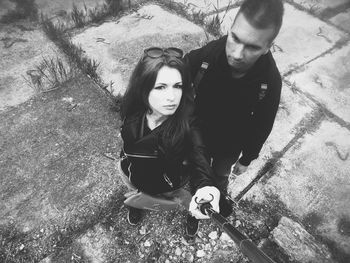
{"x":166,"y":178}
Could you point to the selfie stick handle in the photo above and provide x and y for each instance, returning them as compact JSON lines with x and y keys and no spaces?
{"x":247,"y":247}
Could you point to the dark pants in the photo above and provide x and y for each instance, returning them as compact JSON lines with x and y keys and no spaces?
{"x":222,"y":165}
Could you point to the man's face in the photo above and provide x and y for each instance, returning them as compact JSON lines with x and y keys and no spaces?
{"x":245,"y":44}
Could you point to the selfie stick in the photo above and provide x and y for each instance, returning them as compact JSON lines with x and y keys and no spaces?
{"x":247,"y":247}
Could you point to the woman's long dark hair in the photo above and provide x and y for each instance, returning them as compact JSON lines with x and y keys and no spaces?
{"x":142,"y":81}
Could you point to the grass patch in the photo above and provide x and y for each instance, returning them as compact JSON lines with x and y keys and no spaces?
{"x":78,"y":16}
{"x":98,"y":14}
{"x":49,"y":74}
{"x":212,"y":26}
{"x":57,"y":33}
{"x":24,"y":9}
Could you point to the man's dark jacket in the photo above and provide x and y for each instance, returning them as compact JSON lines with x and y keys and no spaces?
{"x":237,"y":114}
{"x":151,"y":169}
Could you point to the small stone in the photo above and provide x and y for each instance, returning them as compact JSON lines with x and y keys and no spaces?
{"x":184,"y":242}
{"x":212,"y":242}
{"x":213,"y":235}
{"x":143,"y":230}
{"x":225,"y":238}
{"x":21,"y":247}
{"x":200,"y":253}
{"x":207,"y":247}
{"x":238,"y":223}
{"x":189,"y":257}
{"x":147,"y":243}
{"x":126,"y":242}
{"x":178,"y":251}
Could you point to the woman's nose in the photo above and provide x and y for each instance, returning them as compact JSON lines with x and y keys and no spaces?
{"x":170,"y":94}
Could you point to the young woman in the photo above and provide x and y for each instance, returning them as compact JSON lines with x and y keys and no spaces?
{"x":163,"y":149}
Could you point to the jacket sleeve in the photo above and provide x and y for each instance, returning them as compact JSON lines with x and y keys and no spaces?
{"x":262,"y":121}
{"x":201,"y":173}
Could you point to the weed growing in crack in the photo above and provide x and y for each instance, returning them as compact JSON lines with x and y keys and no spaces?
{"x":75,"y":53}
{"x":214,"y":26}
{"x":78,"y":16}
{"x":24,"y":9}
{"x":114,"y":7}
{"x":49,"y":74}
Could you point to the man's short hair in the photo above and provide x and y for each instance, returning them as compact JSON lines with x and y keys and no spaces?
{"x":263,"y":14}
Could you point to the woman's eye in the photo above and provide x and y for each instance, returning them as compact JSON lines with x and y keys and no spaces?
{"x":159,"y":87}
{"x":178,"y":86}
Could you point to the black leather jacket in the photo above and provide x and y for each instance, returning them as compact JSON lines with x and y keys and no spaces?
{"x":154,"y":171}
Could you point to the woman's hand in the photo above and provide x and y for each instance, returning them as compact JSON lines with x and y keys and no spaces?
{"x":203,"y":194}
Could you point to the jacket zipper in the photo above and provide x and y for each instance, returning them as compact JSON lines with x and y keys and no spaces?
{"x":140,"y":155}
{"x":166,"y":178}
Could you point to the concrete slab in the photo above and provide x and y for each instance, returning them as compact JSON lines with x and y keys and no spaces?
{"x":299,"y":244}
{"x":312,"y":181}
{"x":22,"y":48}
{"x":118,"y":45}
{"x":295,"y":111}
{"x":327,"y":79}
{"x":319,"y":6}
{"x":342,"y":20}
{"x":296,"y":44}
{"x":55,"y":174}
{"x":207,"y":6}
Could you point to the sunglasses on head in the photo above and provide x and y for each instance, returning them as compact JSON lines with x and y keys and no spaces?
{"x":157,"y":52}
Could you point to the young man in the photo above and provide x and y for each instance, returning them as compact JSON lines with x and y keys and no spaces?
{"x":238,"y":94}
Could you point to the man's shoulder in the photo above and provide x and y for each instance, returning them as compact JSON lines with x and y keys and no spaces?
{"x":270,"y":68}
{"x":208,"y":51}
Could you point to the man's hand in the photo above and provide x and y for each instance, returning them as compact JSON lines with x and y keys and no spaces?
{"x":239,"y":168}
{"x":205,"y":193}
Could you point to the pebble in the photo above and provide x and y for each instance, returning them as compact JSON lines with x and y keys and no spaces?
{"x":200,"y":253}
{"x":147,"y":243}
{"x":213,"y":235}
{"x":21,"y":247}
{"x":189,"y":257}
{"x":225,"y":238}
{"x":167,"y":261}
{"x":143,"y":230}
{"x":238,"y":223}
{"x":178,"y":251}
{"x":207,"y":247}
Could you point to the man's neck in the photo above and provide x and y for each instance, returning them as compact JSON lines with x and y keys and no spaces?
{"x":237,"y":75}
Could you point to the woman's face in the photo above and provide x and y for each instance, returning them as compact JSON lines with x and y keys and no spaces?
{"x":166,"y":94}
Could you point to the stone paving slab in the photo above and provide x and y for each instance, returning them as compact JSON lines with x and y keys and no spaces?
{"x":327,"y":79}
{"x":207,"y":6}
{"x":312,"y":181}
{"x":22,"y":48}
{"x":342,"y":20}
{"x":296,"y":43}
{"x":319,"y":6}
{"x":117,"y":45}
{"x":295,"y":111}
{"x":55,"y":172}
{"x":299,"y":244}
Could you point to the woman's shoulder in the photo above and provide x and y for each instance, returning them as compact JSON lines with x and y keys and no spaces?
{"x":133,"y":118}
